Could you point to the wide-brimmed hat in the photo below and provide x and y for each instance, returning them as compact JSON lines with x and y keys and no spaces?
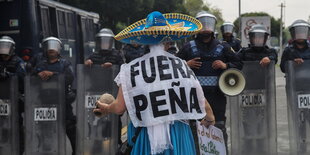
{"x":157,"y":28}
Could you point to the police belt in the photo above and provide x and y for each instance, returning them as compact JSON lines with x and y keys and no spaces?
{"x":208,"y":80}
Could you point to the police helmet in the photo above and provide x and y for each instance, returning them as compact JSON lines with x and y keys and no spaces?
{"x":51,"y":43}
{"x":299,"y":29}
{"x":227,"y":27}
{"x":7,"y":45}
{"x":258,"y":35}
{"x":105,"y":39}
{"x":207,"y":20}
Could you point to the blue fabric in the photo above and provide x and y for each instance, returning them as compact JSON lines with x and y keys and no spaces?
{"x":155,"y":19}
{"x":181,"y":140}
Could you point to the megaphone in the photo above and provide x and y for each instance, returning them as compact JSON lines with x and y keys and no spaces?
{"x":232,"y":82}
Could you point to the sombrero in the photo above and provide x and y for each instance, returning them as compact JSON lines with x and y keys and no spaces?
{"x":159,"y":28}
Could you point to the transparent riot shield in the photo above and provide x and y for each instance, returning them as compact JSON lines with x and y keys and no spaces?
{"x":253,"y":112}
{"x":96,"y":135}
{"x":9,"y":124}
{"x":298,"y":102}
{"x":45,"y":115}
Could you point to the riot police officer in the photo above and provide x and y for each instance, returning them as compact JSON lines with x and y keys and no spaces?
{"x":133,"y":51}
{"x":299,"y":49}
{"x":208,"y":58}
{"x":50,"y":63}
{"x":227,"y":30}
{"x":12,"y":65}
{"x":105,"y":54}
{"x":258,"y":50}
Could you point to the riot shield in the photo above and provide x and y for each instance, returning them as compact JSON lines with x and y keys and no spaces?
{"x":9,"y":124}
{"x":45,"y":115}
{"x":96,"y":135}
{"x":298,"y":103}
{"x":253,"y":112}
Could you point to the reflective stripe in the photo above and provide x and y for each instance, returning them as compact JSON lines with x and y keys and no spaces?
{"x":208,"y":80}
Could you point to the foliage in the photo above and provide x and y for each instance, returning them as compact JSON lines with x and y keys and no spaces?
{"x":117,"y":14}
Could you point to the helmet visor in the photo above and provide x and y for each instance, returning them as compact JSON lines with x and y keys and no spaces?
{"x":258,"y":39}
{"x":208,"y":23}
{"x":6,"y":48}
{"x":300,"y":32}
{"x":52,"y":45}
{"x":104,"y":43}
{"x":227,"y":29}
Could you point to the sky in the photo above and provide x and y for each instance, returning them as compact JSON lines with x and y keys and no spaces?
{"x":294,"y":9}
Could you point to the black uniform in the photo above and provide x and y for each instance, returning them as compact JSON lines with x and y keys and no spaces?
{"x":132,"y":52}
{"x":62,"y":66}
{"x":112,"y":56}
{"x":208,"y":77}
{"x":257,"y":53}
{"x":235,"y":43}
{"x":292,"y":52}
{"x":15,"y":66}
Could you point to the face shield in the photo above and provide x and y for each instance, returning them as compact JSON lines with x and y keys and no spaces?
{"x":227,"y":29}
{"x":300,"y":32}
{"x":208,"y":23}
{"x":104,"y":43}
{"x":52,"y":45}
{"x":6,"y":48}
{"x":258,"y":39}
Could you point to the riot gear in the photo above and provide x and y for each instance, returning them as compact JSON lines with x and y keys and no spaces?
{"x":299,"y":30}
{"x":207,"y":20}
{"x":104,"y":40}
{"x":7,"y":45}
{"x":227,"y":27}
{"x":51,"y":43}
{"x":258,"y":35}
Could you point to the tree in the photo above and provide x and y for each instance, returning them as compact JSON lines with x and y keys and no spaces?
{"x":117,"y":14}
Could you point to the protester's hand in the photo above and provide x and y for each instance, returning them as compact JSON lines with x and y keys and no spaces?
{"x":207,"y":122}
{"x":101,"y":109}
{"x":194,"y":63}
{"x":264,"y":62}
{"x":218,"y":64}
{"x":107,"y":65}
{"x":299,"y":61}
{"x":88,"y":62}
{"x":45,"y":75}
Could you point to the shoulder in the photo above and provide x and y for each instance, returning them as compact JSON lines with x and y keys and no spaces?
{"x":65,"y":61}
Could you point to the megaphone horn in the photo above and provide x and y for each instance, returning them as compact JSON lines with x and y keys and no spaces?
{"x":232,"y":82}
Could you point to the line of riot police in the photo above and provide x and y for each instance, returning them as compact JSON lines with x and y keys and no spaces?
{"x":253,"y":126}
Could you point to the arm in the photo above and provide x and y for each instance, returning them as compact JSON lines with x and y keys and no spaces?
{"x":233,"y":61}
{"x":273,"y":55}
{"x":117,"y":107}
{"x":284,"y":58}
{"x":209,"y":118}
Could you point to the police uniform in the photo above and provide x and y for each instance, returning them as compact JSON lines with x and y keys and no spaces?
{"x":15,"y":66}
{"x":257,"y":53}
{"x":62,"y":66}
{"x":292,"y":52}
{"x":207,"y":76}
{"x":113,"y":56}
{"x":132,"y":52}
{"x":235,"y":43}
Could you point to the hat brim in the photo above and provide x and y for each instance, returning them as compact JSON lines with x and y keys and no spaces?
{"x":180,"y":26}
